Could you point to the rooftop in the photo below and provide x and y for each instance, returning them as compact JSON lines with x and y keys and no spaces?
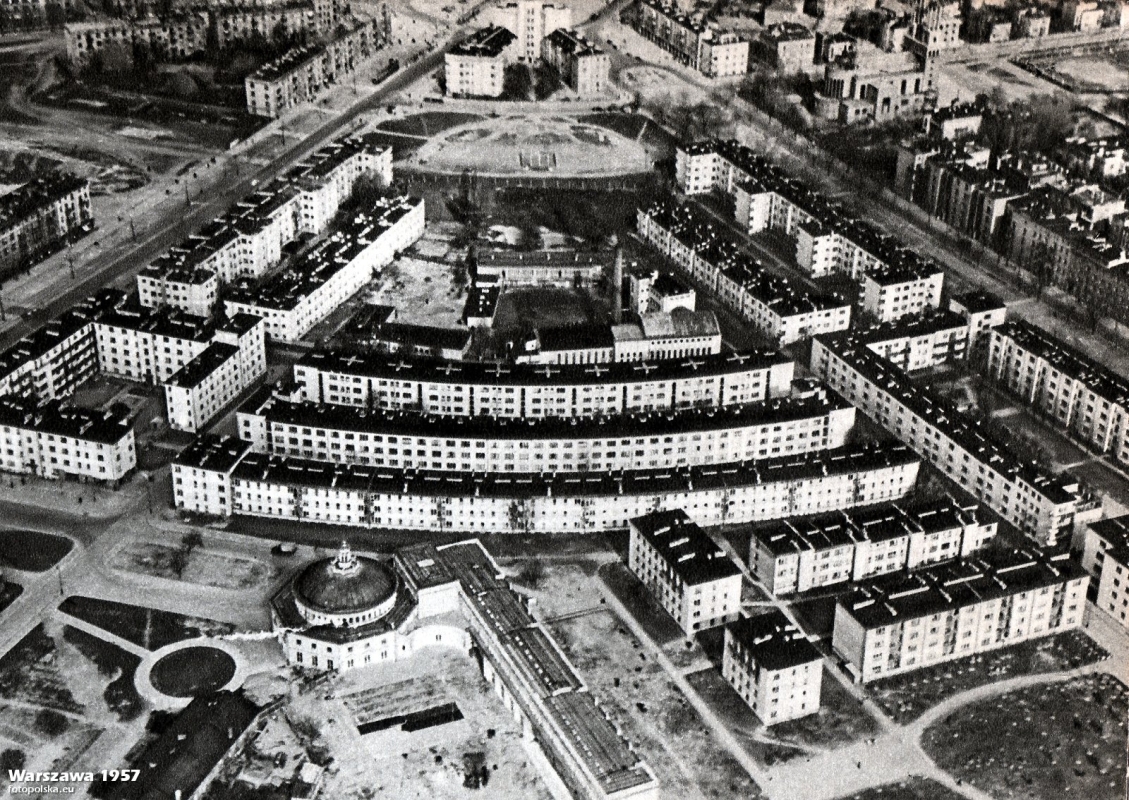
{"x":24,"y":200}
{"x":488,"y":42}
{"x":60,"y":419}
{"x":956,"y":585}
{"x":979,"y":301}
{"x":689,"y":551}
{"x":773,"y":641}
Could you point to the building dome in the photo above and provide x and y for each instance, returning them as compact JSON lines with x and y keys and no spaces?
{"x":345,"y":589}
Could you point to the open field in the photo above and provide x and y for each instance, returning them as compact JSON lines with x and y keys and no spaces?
{"x":150,"y":628}
{"x":32,"y":551}
{"x":1043,"y":742}
{"x":906,"y":697}
{"x":204,"y":566}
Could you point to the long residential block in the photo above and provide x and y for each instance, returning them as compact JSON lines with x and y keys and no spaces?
{"x":223,"y":478}
{"x":249,"y":238}
{"x":905,"y":622}
{"x":778,"y":309}
{"x":443,"y":388}
{"x":50,"y":439}
{"x":1073,"y":391}
{"x":39,"y":216}
{"x":312,"y":286}
{"x":798,"y":555}
{"x":407,"y":440}
{"x":894,"y":280}
{"x":696,"y":581}
{"x":1040,"y":504}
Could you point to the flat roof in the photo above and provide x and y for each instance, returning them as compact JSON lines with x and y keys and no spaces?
{"x":407,"y":334}
{"x":58,"y":418}
{"x":974,"y":437}
{"x":213,"y":453}
{"x":1098,"y":378}
{"x":515,"y":259}
{"x":773,"y":641}
{"x":848,"y":527}
{"x":979,"y":301}
{"x":434,"y":370}
{"x":1115,"y":531}
{"x":689,"y":551}
{"x":25,"y":200}
{"x":955,"y":585}
{"x":37,"y":344}
{"x":262,"y":467}
{"x":390,"y":422}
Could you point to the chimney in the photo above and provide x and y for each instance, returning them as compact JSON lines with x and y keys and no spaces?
{"x":617,"y":286}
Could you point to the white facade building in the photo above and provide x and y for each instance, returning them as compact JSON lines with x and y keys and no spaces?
{"x":771,"y":664}
{"x":901,"y":623}
{"x":530,"y":21}
{"x":1105,"y":556}
{"x":696,"y":581}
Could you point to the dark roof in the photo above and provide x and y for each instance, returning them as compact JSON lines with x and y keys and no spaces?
{"x":67,"y":324}
{"x":195,"y":371}
{"x":35,"y":194}
{"x":1115,"y":531}
{"x":773,"y":641}
{"x":423,"y":336}
{"x":979,"y":301}
{"x":689,"y":551}
{"x":587,"y":336}
{"x":956,"y":584}
{"x":407,"y":368}
{"x":573,"y":43}
{"x":280,"y":411}
{"x":904,"y":328}
{"x":214,"y":453}
{"x":60,"y":419}
{"x":321,"y":587}
{"x":487,"y":42}
{"x":848,"y":527}
{"x":170,"y":322}
{"x":189,"y":749}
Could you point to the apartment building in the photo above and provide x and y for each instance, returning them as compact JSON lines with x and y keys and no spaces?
{"x":304,"y":73}
{"x":50,"y":439}
{"x":786,"y":47}
{"x":983,"y":311}
{"x":1041,"y":504}
{"x":876,"y":87}
{"x":39,"y":217}
{"x":772,"y":665}
{"x":710,"y":257}
{"x":902,"y":623}
{"x":651,"y":290}
{"x":894,"y":281}
{"x":300,"y":489}
{"x":561,"y":268}
{"x":915,"y":344}
{"x":293,"y":300}
{"x":437,"y":387}
{"x":54,"y":360}
{"x":1105,"y":557}
{"x":476,"y":66}
{"x":211,"y":381}
{"x":799,"y":555}
{"x":688,"y":437}
{"x":696,"y":581}
{"x":249,"y":238}
{"x":530,"y":22}
{"x":691,"y":40}
{"x":580,"y":64}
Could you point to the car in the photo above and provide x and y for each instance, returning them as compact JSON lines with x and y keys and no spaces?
{"x":284,"y":549}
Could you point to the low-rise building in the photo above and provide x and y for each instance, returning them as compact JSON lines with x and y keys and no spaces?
{"x":674,"y":439}
{"x":786,"y":47}
{"x":771,"y":664}
{"x":294,"y":300}
{"x":580,"y":64}
{"x":428,"y":341}
{"x":277,"y":487}
{"x":1064,"y":386}
{"x":41,"y":216}
{"x":1041,"y":504}
{"x":304,"y":73}
{"x":435,"y":386}
{"x":1105,"y":556}
{"x":656,"y":336}
{"x":476,"y":66}
{"x":696,"y":581}
{"x":52,"y":440}
{"x":659,"y":291}
{"x":561,"y":268}
{"x":798,"y":555}
{"x":902,"y":623}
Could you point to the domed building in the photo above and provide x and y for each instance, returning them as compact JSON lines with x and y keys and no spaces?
{"x":348,"y":611}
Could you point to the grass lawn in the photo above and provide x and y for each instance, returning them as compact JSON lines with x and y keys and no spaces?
{"x":912,"y":789}
{"x":906,"y":697}
{"x":586,"y":215}
{"x":429,"y":123}
{"x":1043,"y":742}
{"x":28,"y":673}
{"x":546,"y":307}
{"x":32,"y":551}
{"x":112,"y":662}
{"x":642,"y":604}
{"x":147,"y":627}
{"x":192,"y":671}
{"x":628,"y":126}
{"x":8,"y":593}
